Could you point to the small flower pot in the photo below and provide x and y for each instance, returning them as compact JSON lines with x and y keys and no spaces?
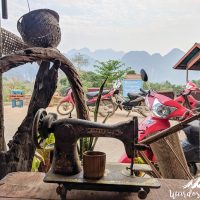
{"x":94,"y":164}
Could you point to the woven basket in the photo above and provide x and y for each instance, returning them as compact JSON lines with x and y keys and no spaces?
{"x":40,"y":28}
{"x":11,"y":42}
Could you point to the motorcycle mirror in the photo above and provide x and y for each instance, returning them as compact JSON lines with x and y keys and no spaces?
{"x":143,"y":75}
{"x":117,"y":84}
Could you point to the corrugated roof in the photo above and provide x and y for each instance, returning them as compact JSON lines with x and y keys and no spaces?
{"x":190,"y":60}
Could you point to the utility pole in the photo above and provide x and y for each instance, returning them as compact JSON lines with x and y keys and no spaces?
{"x":2,"y":138}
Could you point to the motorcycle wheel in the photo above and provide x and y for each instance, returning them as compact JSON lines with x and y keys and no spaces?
{"x":65,"y":108}
{"x":193,"y":168}
{"x":105,"y":107}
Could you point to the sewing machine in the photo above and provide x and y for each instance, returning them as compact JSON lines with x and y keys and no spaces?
{"x":66,"y":169}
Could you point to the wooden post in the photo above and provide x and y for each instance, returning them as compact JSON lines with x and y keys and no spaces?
{"x":187,"y":75}
{"x":2,"y":139}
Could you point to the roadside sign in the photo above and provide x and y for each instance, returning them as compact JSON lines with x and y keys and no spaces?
{"x":132,"y":86}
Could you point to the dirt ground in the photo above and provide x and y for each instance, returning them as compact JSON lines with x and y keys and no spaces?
{"x":112,"y":147}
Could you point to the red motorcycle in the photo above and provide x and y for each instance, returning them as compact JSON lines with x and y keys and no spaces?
{"x":66,"y":105}
{"x":163,"y":109}
{"x":186,"y":99}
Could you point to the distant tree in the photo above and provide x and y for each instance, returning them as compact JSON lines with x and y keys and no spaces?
{"x":14,"y":83}
{"x":113,"y":69}
{"x":79,"y":60}
{"x":63,"y":84}
{"x":197,"y":82}
{"x":131,"y":71}
{"x":90,"y":79}
{"x":63,"y":81}
{"x":165,"y":86}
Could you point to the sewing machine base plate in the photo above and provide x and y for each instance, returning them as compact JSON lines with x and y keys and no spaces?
{"x":113,"y":180}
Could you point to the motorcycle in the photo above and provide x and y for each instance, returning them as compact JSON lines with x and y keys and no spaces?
{"x":135,"y":102}
{"x":67,"y":104}
{"x":164,"y":109}
{"x":186,"y":99}
{"x":191,"y":147}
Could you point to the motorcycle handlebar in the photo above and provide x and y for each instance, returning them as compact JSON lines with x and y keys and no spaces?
{"x":185,"y":115}
{"x":143,"y":91}
{"x":186,"y":93}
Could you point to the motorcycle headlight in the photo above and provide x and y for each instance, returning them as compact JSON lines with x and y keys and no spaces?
{"x":160,"y":110}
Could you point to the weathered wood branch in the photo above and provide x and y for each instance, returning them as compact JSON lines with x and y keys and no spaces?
{"x":51,"y":55}
{"x":19,"y":156}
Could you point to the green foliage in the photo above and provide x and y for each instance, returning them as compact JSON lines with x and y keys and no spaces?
{"x":62,"y":91}
{"x":63,"y":81}
{"x":131,"y":71}
{"x":42,"y":156}
{"x":111,"y":69}
{"x":88,"y":144}
{"x":197,"y":82}
{"x":14,"y":83}
{"x":98,"y":100}
{"x":165,"y":86}
{"x":90,"y":79}
{"x":63,"y":84}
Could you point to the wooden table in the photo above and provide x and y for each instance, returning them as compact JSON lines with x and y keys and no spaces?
{"x":116,"y":178}
{"x":30,"y":185}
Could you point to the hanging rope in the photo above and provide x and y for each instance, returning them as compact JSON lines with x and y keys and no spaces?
{"x":28,"y":5}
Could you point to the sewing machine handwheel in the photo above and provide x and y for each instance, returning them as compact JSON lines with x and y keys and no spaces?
{"x":38,"y":139}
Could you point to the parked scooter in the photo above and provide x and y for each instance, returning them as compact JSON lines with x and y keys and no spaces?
{"x":163,"y":109}
{"x":186,"y":99}
{"x":135,"y":102}
{"x":67,"y":104}
{"x":191,"y":147}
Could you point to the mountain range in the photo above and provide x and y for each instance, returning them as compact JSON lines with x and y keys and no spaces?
{"x":159,"y":67}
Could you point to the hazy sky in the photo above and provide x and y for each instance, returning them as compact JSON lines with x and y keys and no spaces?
{"x":151,"y":25}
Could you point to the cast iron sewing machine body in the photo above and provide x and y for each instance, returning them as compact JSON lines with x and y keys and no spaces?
{"x":66,"y":168}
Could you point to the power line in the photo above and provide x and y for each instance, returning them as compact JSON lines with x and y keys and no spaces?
{"x":28,"y":5}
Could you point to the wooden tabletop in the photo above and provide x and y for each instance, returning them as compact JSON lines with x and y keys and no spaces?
{"x":30,"y":185}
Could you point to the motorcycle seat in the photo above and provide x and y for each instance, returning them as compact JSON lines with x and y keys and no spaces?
{"x":192,"y":133}
{"x":133,"y":96}
{"x":198,"y":106}
{"x":134,"y":102}
{"x":94,"y":94}
{"x":191,"y":151}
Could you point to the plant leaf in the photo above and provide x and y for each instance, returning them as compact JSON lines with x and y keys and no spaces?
{"x":98,"y":100}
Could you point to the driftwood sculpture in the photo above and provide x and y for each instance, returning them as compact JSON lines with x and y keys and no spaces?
{"x":44,"y":32}
{"x":10,"y":44}
{"x":21,"y":148}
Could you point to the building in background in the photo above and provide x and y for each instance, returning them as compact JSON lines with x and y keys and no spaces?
{"x":131,"y":84}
